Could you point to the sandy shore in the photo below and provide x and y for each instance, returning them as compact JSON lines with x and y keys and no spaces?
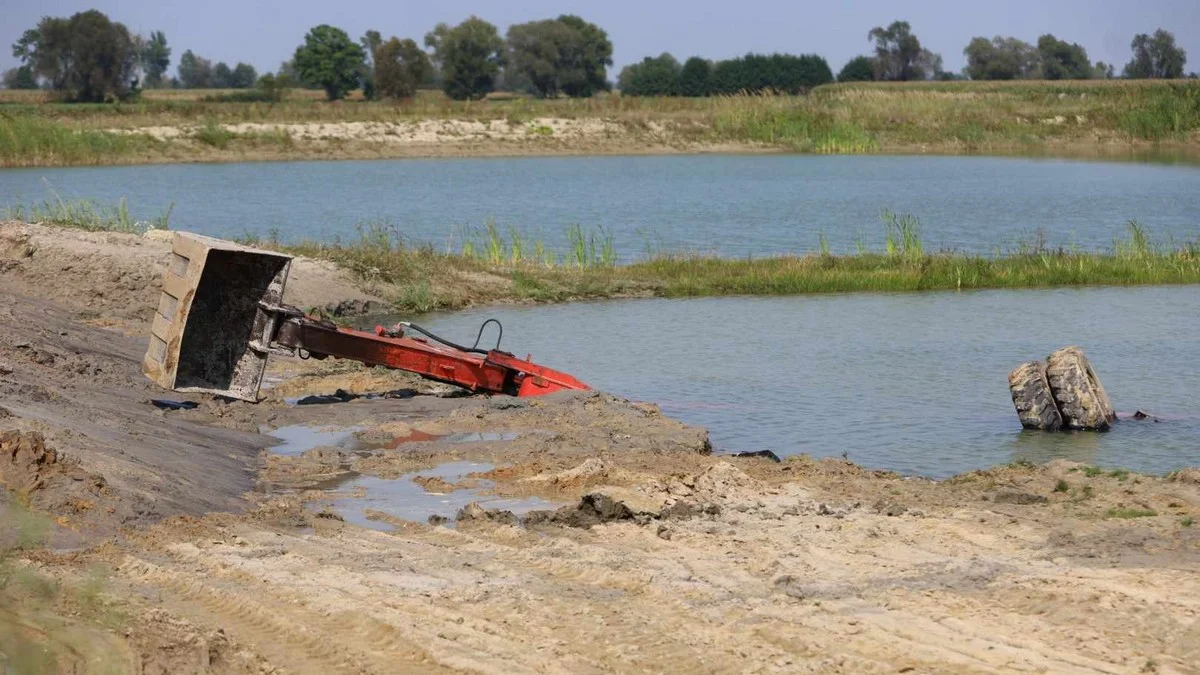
{"x":174,"y":542}
{"x":434,"y":138}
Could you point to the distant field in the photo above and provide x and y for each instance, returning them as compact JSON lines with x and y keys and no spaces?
{"x":1070,"y":118}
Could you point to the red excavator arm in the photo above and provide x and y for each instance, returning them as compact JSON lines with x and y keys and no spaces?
{"x":221,"y":314}
{"x":470,"y":368}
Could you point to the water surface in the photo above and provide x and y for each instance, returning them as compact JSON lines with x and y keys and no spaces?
{"x":732,"y":205}
{"x":912,"y":382}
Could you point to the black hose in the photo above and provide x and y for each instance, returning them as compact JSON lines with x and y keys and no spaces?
{"x":431,"y":336}
{"x":499,"y":337}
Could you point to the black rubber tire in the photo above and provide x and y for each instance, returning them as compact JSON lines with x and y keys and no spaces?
{"x":1080,"y":397}
{"x":1032,"y":397}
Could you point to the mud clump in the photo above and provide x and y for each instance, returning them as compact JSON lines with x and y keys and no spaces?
{"x":57,"y":485}
{"x":473,"y":513}
{"x":434,"y":484}
{"x":681,"y":498}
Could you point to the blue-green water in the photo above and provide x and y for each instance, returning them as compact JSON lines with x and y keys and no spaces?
{"x":732,"y":205}
{"x":913,"y":382}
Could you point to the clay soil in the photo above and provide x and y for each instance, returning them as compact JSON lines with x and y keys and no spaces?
{"x":173,"y":542}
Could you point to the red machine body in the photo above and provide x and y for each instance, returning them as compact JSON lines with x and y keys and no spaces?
{"x":472,"y":369}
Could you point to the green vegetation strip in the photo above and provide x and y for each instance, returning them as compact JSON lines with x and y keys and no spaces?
{"x":1068,"y":118}
{"x":495,"y":266}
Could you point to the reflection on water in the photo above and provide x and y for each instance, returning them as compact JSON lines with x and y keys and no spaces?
{"x":913,"y":382}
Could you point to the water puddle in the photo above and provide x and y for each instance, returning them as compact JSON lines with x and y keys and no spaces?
{"x":300,"y":438}
{"x":405,"y":499}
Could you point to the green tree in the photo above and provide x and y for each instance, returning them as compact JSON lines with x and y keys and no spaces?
{"x":1000,"y":58}
{"x":469,"y":56}
{"x":858,"y":69}
{"x":1156,"y":57}
{"x":585,"y":70}
{"x":400,"y":66}
{"x":370,"y":41}
{"x":654,"y":76}
{"x":783,"y":73}
{"x":195,"y":72}
{"x":156,"y":58}
{"x":85,"y":57}
{"x":565,"y":55}
{"x":243,"y":76}
{"x":1062,"y":60}
{"x":695,"y":79}
{"x":329,"y":59}
{"x":222,"y":76}
{"x":899,"y":55}
{"x":537,"y":53}
{"x":275,"y":87}
{"x":1102,"y":71}
{"x":21,"y":77}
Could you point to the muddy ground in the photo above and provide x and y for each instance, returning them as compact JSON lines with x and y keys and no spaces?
{"x":171,"y":541}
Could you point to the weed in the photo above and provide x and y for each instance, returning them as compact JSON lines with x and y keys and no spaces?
{"x":1187,"y":522}
{"x":89,"y":215}
{"x":1125,"y":513}
{"x":212,"y":133}
{"x":1092,"y":471}
{"x":1061,"y":486}
{"x":1120,"y":474}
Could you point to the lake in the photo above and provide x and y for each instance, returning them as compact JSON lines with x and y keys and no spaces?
{"x":728,"y":204}
{"x":911,"y":382}
{"x":914,"y":382}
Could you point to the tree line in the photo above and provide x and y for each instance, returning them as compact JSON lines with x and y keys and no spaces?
{"x":88,"y":57}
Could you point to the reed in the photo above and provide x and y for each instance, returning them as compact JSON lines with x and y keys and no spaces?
{"x":421,"y":278}
{"x":87,"y":214}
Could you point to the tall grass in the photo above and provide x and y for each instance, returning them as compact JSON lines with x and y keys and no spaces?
{"x":419,"y":278}
{"x":36,"y":141}
{"x":89,"y":215}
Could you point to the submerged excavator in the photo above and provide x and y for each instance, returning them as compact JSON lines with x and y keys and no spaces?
{"x":221,"y":315}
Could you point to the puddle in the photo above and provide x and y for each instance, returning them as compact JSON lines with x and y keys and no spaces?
{"x":300,"y":438}
{"x":403,"y":498}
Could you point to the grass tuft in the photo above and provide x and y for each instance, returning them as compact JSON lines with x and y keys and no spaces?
{"x":89,"y":215}
{"x":1124,"y":513}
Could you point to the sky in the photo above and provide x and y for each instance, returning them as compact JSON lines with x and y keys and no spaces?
{"x":265,"y":33}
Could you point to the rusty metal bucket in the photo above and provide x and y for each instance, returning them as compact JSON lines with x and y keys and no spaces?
{"x":208,"y":315}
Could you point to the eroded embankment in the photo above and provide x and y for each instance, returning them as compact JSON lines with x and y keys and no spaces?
{"x":177,"y":545}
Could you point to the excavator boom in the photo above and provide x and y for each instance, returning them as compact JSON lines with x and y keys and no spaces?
{"x":221,"y":314}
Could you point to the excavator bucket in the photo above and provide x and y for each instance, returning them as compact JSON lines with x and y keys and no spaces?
{"x":208,"y":315}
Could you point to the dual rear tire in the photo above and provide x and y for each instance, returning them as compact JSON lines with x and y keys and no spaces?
{"x":1063,"y":393}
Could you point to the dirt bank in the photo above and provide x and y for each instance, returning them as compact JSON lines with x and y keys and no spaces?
{"x":171,"y":541}
{"x":541,"y":136}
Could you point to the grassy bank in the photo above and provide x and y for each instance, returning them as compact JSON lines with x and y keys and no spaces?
{"x":492,"y":265}
{"x":1062,"y":118}
{"x":420,"y":279}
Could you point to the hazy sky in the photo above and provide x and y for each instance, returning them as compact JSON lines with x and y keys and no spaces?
{"x":266,"y":33}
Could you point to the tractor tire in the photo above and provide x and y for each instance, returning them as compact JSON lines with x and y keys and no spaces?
{"x":1032,"y":397}
{"x":1080,"y":397}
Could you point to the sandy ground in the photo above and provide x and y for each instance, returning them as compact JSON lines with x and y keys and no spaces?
{"x":174,"y":543}
{"x":443,"y":137}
